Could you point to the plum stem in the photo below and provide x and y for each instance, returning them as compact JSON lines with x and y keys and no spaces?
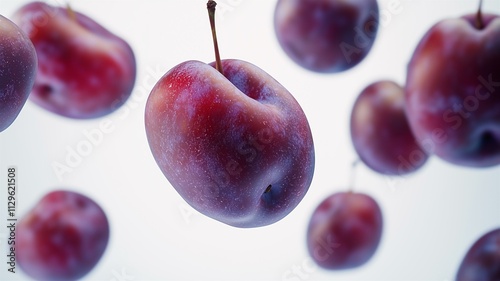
{"x":352,"y":180}
{"x":71,"y":12}
{"x":211,"y":15}
{"x":479,"y":16}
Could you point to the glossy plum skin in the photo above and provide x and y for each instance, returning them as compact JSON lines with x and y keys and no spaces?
{"x":62,"y":238}
{"x":84,"y":71}
{"x":18,"y":64}
{"x":482,"y":261}
{"x":237,"y":148}
{"x":380,"y":131}
{"x":344,"y":231}
{"x":326,"y":36}
{"x":452,"y":91}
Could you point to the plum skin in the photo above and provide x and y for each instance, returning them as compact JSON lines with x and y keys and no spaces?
{"x":62,"y":238}
{"x":380,"y":131}
{"x":326,"y":36}
{"x":84,"y":70}
{"x":344,"y":231}
{"x":18,"y":65}
{"x":482,"y":261}
{"x":237,"y":148}
{"x":452,"y":99}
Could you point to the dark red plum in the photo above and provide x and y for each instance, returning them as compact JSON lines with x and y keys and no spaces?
{"x":237,"y":147}
{"x":62,"y":238}
{"x":231,"y":140}
{"x":84,"y":70}
{"x":380,"y":131}
{"x":18,"y":64}
{"x":453,"y":90}
{"x":326,"y":36}
{"x":482,"y":261}
{"x":344,"y":231}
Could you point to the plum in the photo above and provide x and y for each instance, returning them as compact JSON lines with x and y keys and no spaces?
{"x":231,"y":140}
{"x":84,"y":70}
{"x":380,"y":131}
{"x":344,"y":231}
{"x":452,"y":90}
{"x":18,"y":65}
{"x":62,"y":238}
{"x":326,"y":36}
{"x":482,"y":261}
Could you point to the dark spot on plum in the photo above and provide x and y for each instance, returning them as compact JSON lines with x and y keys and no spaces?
{"x":488,"y":142}
{"x":45,"y":90}
{"x":268,"y":189}
{"x":81,"y":203}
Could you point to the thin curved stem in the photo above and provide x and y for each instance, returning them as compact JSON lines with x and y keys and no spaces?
{"x":211,"y":15}
{"x":479,"y":16}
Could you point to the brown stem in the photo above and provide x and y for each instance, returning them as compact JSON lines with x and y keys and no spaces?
{"x":211,"y":15}
{"x":479,"y":16}
{"x":71,"y":12}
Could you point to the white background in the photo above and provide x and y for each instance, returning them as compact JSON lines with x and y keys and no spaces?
{"x":431,"y":217}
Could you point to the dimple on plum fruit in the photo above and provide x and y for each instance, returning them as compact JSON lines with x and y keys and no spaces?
{"x":326,"y":36}
{"x":62,"y":238}
{"x":380,"y":131}
{"x":482,"y":261}
{"x":235,"y":145}
{"x":344,"y":231}
{"x":453,"y":90}
{"x":18,"y":64}
{"x":84,"y":71}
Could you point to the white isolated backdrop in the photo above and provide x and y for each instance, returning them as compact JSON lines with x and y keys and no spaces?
{"x":431,"y":217}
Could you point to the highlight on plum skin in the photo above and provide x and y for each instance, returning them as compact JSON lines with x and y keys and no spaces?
{"x":482,"y":261}
{"x":327,"y":36}
{"x":380,"y":132}
{"x":344,"y":231}
{"x":84,"y":70}
{"x":62,"y":238}
{"x":17,"y":71}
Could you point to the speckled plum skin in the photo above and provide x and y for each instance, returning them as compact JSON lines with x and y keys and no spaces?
{"x":62,"y":238}
{"x":84,"y":71}
{"x":482,"y":261}
{"x":380,"y":131}
{"x":326,"y":36}
{"x":238,"y":147}
{"x":344,"y":231}
{"x":453,"y":91}
{"x":18,"y":64}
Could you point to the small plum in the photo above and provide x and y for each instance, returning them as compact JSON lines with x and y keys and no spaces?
{"x":326,"y":36}
{"x":62,"y":238}
{"x":344,"y":231}
{"x":380,"y":131}
{"x":84,"y":70}
{"x":482,"y":261}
